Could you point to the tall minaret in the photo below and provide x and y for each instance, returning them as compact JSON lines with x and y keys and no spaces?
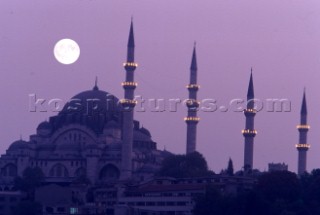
{"x":249,"y":132}
{"x":303,"y":146}
{"x":128,"y":104}
{"x":192,"y":104}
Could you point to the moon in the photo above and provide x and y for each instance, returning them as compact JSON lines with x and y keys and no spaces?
{"x":66,"y":51}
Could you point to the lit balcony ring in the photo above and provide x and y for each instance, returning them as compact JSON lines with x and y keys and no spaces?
{"x":303,"y":146}
{"x":128,"y":102}
{"x":130,"y":66}
{"x":303,"y":127}
{"x":193,"y":86}
{"x":250,"y":110}
{"x":129,"y":84}
{"x":192,"y":119}
{"x":249,"y":131}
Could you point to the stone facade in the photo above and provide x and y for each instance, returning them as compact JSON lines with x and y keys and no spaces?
{"x":85,"y":138}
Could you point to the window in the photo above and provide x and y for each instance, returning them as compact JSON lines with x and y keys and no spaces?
{"x":9,"y":170}
{"x":59,"y":171}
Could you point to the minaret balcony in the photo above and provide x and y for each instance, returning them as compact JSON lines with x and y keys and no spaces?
{"x":303,"y":146}
{"x":303,"y":127}
{"x":129,"y":85}
{"x":128,"y":102}
{"x":192,"y":103}
{"x":250,"y":112}
{"x":249,"y":132}
{"x":130,"y":66}
{"x":192,"y":119}
{"x":193,"y":87}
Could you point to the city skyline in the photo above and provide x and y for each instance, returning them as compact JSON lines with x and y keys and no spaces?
{"x":284,"y":47}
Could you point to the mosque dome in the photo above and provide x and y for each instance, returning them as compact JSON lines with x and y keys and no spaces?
{"x":17,"y":145}
{"x":92,"y":102}
{"x":92,"y":108}
{"x":145,"y":131}
{"x":44,"y":126}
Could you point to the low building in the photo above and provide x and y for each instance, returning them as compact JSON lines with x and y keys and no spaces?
{"x":277,"y":167}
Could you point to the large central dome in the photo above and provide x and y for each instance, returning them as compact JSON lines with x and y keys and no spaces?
{"x":92,"y":108}
{"x":92,"y":102}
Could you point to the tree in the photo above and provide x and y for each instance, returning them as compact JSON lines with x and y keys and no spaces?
{"x":30,"y":180}
{"x":185,"y":166}
{"x":279,"y":185}
{"x":230,"y":167}
{"x":214,"y":202}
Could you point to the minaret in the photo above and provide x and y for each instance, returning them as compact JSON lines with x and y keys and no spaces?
{"x":249,"y":132}
{"x":128,"y":104}
{"x":192,"y":104}
{"x":303,"y":129}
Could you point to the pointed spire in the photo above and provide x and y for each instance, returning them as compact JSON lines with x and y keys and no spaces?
{"x":194,"y":65}
{"x":131,"y":35}
{"x":96,"y":84}
{"x":130,"y":53}
{"x":250,"y":94}
{"x":304,"y":103}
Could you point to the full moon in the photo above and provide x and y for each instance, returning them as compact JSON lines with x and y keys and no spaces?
{"x":66,"y":51}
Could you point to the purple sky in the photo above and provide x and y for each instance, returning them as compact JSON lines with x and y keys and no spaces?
{"x":279,"y":39}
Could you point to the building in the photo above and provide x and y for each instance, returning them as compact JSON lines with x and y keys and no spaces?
{"x":249,"y":132}
{"x":9,"y":201}
{"x":94,"y":135}
{"x":303,"y":145}
{"x":277,"y":167}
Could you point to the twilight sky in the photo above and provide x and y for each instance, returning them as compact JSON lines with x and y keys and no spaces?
{"x":279,"y":39}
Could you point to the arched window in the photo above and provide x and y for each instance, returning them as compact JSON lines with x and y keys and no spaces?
{"x":59,"y":171}
{"x":109,"y":172}
{"x":9,"y":170}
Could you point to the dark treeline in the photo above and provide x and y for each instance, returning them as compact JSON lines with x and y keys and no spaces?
{"x":276,"y":193}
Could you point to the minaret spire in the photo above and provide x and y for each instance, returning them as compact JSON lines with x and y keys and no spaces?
{"x":249,"y":132}
{"x":130,"y":54}
{"x":192,"y":104}
{"x":250,"y":94}
{"x":303,"y":129}
{"x":128,"y":104}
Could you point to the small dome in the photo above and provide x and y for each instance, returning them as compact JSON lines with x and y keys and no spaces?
{"x":19,"y":144}
{"x":145,"y":131}
{"x":44,"y":126}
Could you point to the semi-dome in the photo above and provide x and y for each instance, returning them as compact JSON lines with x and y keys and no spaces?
{"x":45,"y":125}
{"x":17,"y":145}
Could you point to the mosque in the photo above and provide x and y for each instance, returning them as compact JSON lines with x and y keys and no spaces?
{"x":95,"y":135}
